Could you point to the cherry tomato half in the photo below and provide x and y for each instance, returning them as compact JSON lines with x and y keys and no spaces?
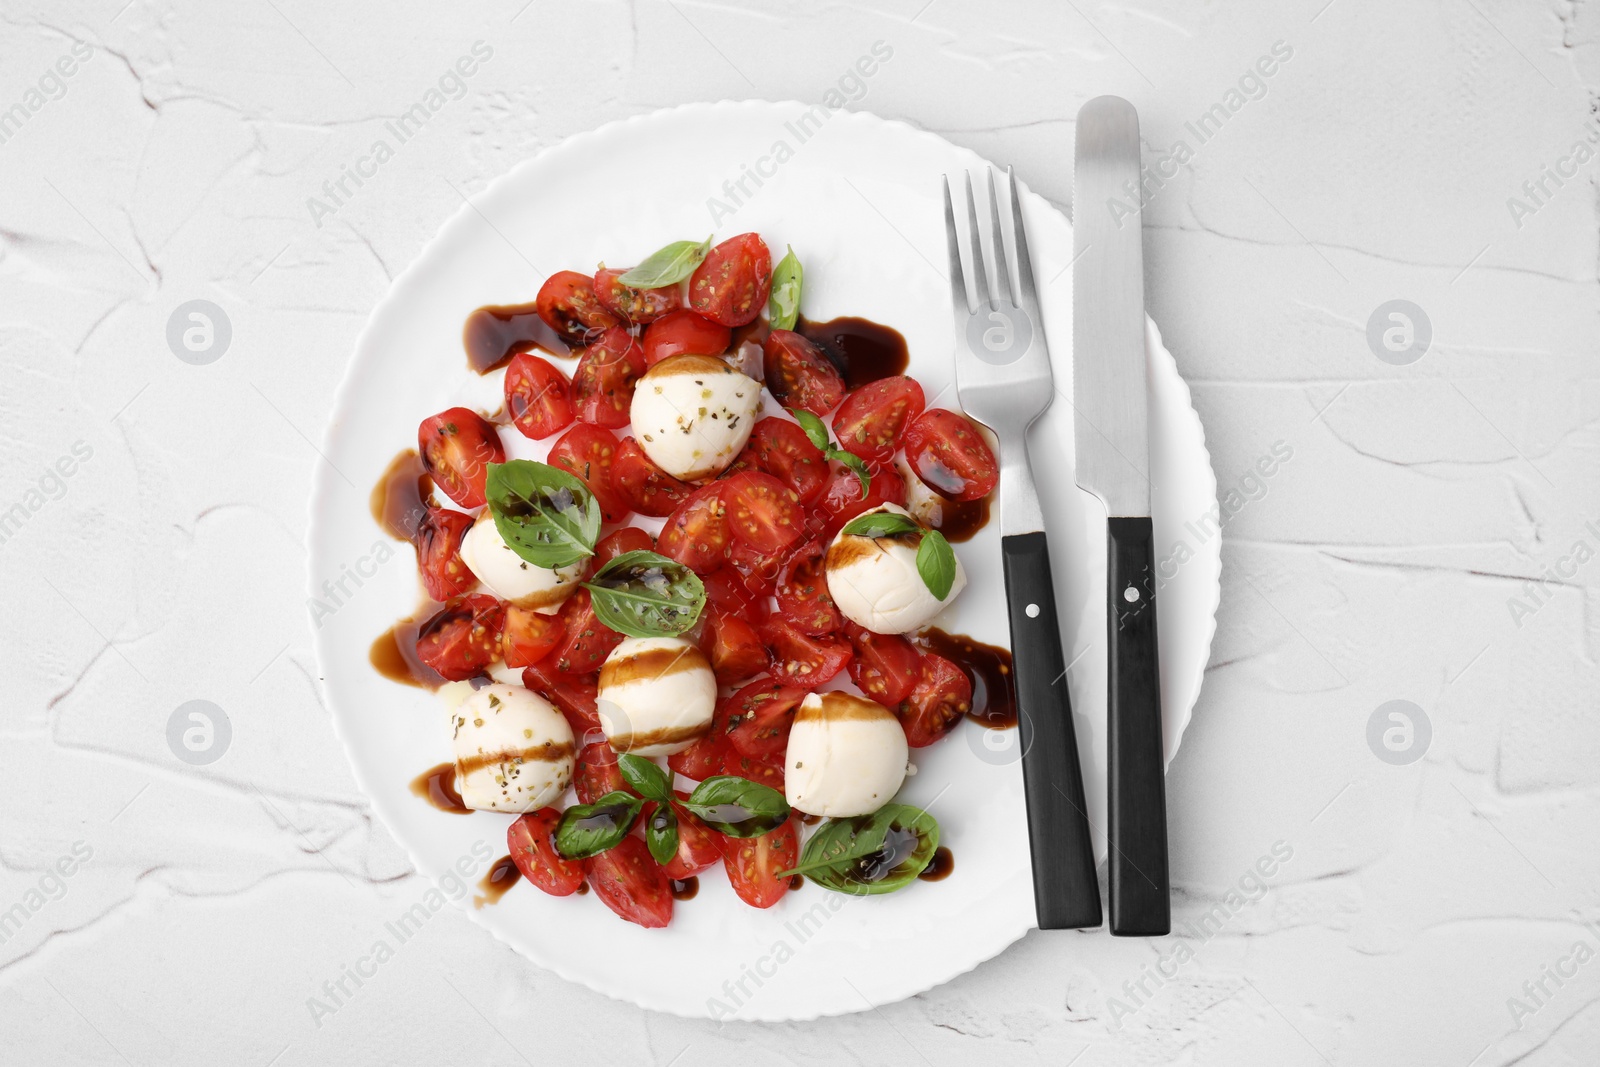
{"x":733,"y":647}
{"x":587,"y":641}
{"x":698,"y":846}
{"x":782,"y":449}
{"x":635,"y":305}
{"x":538,"y":397}
{"x":530,"y":840}
{"x":627,"y":880}
{"x":463,"y":637}
{"x":595,"y":772}
{"x":842,"y":501}
{"x":799,"y":375}
{"x":602,"y":384}
{"x":754,"y":863}
{"x":647,"y":488}
{"x":800,"y":659}
{"x":529,"y":636}
{"x":871,"y":419}
{"x":457,"y":447}
{"x":615,"y":543}
{"x":950,"y":455}
{"x":589,"y":452}
{"x":696,"y":533}
{"x":942,"y":695}
{"x":438,"y":542}
{"x":683,"y":331}
{"x":886,"y":667}
{"x":732,"y":284}
{"x":703,"y":759}
{"x":759,"y":717}
{"x":802,"y":591}
{"x":576,"y":696}
{"x":762,"y":512}
{"x":568,"y":305}
{"x":757,"y":569}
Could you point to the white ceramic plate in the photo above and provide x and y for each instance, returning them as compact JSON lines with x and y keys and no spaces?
{"x":859,"y":200}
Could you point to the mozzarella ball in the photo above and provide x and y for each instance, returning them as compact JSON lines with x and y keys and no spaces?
{"x":875,"y":582}
{"x":513,"y":750}
{"x":512,"y":578}
{"x":692,"y":414}
{"x":847,"y":756}
{"x":656,"y":695}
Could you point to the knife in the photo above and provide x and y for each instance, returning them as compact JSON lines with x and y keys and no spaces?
{"x":1111,"y":431}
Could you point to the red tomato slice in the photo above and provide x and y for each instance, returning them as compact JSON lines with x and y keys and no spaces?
{"x":703,"y":759}
{"x":800,"y":659}
{"x":628,"y":882}
{"x":530,"y":840}
{"x":942,"y":695}
{"x":802,"y":591}
{"x":757,"y":570}
{"x":635,"y":305}
{"x":538,"y":397}
{"x":614,"y":544}
{"x":457,"y":447}
{"x":759,"y":717}
{"x":754,"y":863}
{"x":726,"y":593}
{"x":568,"y":305}
{"x":782,"y":449}
{"x":870,"y":420}
{"x":576,"y":696}
{"x":596,"y":773}
{"x":438,"y":541}
{"x":886,"y":667}
{"x":799,"y":375}
{"x":587,"y":641}
{"x":697,"y":533}
{"x":698,"y":846}
{"x":647,"y":488}
{"x":950,"y":455}
{"x":733,"y":647}
{"x":759,"y":771}
{"x":529,"y":636}
{"x":463,"y":637}
{"x":762,"y":512}
{"x":679,"y":332}
{"x":602,"y":385}
{"x":589,"y":452}
{"x":842,"y":500}
{"x":732,"y":284}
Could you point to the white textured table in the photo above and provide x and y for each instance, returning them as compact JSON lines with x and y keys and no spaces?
{"x":1423,"y":534}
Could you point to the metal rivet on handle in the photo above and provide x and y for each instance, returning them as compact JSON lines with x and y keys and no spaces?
{"x":1031,"y":611}
{"x":1130,"y":594}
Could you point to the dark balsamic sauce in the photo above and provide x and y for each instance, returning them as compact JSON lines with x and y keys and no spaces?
{"x":493,"y":334}
{"x":402,"y":496}
{"x":394,"y":653}
{"x":437,"y":785}
{"x":994,"y":689}
{"x":503,"y":874}
{"x":685,"y":888}
{"x":938,"y":868}
{"x":958,"y":520}
{"x":863,"y":351}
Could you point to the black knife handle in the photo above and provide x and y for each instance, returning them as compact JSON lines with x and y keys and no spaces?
{"x":1065,"y":888}
{"x":1140,"y":904}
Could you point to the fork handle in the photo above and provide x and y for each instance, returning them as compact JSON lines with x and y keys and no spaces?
{"x":1137,"y":883}
{"x":1065,"y":889}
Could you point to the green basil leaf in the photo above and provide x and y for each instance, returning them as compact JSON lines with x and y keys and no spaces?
{"x":855,"y":463}
{"x":815,"y":428}
{"x":645,"y":594}
{"x":544,"y":514}
{"x":870,"y":854}
{"x":646,"y":777}
{"x":783,"y":305}
{"x":737,"y":806}
{"x":936,"y":562}
{"x":661,"y":834}
{"x":882,"y":524}
{"x":667,"y":266}
{"x":589,"y":829}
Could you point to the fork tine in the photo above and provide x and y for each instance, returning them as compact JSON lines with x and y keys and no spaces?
{"x":980,"y":277}
{"x":1002,"y":272}
{"x":1019,"y":241}
{"x":958,"y":283}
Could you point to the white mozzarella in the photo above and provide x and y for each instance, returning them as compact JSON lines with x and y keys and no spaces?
{"x":512,"y":578}
{"x":656,"y":696}
{"x":847,"y":756}
{"x":692,"y":414}
{"x":513,"y":750}
{"x":875,"y":582}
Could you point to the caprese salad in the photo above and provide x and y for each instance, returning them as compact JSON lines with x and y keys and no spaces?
{"x":695,"y":613}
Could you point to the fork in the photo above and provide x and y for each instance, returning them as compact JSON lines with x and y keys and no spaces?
{"x":1003,"y":380}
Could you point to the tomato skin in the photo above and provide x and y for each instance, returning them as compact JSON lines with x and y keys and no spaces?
{"x":530,"y":842}
{"x":802,"y":660}
{"x":602,"y":384}
{"x":647,"y":488}
{"x":732,"y":284}
{"x":733,"y":647}
{"x":627,"y":880}
{"x":634,"y":305}
{"x":457,"y":446}
{"x":595,"y":772}
{"x":697,"y":534}
{"x":576,"y":696}
{"x":802,"y":591}
{"x":529,"y":636}
{"x":757,"y":571}
{"x":438,"y":543}
{"x":759,"y":717}
{"x":782,"y":449}
{"x":726,"y":592}
{"x":698,"y":846}
{"x":758,"y":771}
{"x":943,"y":694}
{"x":590,"y":452}
{"x":753,"y":863}
{"x":762,"y":512}
{"x":568,"y":305}
{"x":886,"y":667}
{"x":799,"y":375}
{"x":586,"y":642}
{"x":462,"y":638}
{"x":871,"y":419}
{"x":615,"y":543}
{"x":683,"y":331}
{"x":842,"y":501}
{"x":950,"y":455}
{"x":703,"y":759}
{"x":538,"y":397}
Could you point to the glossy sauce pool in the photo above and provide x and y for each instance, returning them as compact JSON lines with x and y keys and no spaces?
{"x":494,"y":333}
{"x":503,"y":874}
{"x":994,"y":690}
{"x":437,"y":785}
{"x":863,"y":350}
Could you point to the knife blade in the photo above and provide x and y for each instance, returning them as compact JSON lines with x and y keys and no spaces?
{"x":1112,"y":439}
